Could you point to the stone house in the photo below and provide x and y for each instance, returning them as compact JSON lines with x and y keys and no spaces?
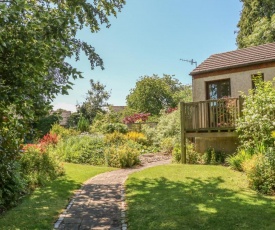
{"x":223,"y":75}
{"x":226,"y":74}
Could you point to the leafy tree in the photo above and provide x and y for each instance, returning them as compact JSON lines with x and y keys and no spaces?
{"x":44,"y":124}
{"x":174,"y":84}
{"x":96,"y":99}
{"x":257,"y":23}
{"x":36,"y":38}
{"x":153,"y":93}
{"x":184,"y":94}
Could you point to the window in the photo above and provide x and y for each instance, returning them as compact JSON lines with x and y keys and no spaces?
{"x":255,"y":76}
{"x":218,"y":89}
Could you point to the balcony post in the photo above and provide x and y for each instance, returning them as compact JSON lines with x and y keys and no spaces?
{"x":183,"y":137}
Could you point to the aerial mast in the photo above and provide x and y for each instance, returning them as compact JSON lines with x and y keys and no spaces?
{"x":190,"y":61}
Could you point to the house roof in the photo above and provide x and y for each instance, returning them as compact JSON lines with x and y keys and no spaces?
{"x":65,"y":117}
{"x":238,"y":58}
{"x":117,"y":108}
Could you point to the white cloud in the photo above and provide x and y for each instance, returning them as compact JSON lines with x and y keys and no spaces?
{"x":66,"y":106}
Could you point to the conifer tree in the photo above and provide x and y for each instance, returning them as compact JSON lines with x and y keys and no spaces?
{"x":257,"y":23}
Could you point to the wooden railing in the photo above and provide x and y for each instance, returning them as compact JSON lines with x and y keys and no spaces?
{"x":210,"y":115}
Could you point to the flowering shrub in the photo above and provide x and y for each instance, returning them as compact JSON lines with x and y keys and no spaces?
{"x":257,"y":122}
{"x":122,"y":156}
{"x":137,"y":137}
{"x":135,"y":118}
{"x":38,"y":147}
{"x":170,"y":110}
{"x":49,"y":139}
{"x":115,"y":138}
{"x":168,"y":126}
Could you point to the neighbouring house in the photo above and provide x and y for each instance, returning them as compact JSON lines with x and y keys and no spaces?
{"x":117,"y":108}
{"x":225,"y":75}
{"x":64,"y":117}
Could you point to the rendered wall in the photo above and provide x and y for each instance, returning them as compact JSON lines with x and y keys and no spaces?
{"x":240,"y":81}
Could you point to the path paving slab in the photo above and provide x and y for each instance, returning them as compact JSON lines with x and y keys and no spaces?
{"x":100,"y":203}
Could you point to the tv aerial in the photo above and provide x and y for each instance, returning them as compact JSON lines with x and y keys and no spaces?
{"x":190,"y":61}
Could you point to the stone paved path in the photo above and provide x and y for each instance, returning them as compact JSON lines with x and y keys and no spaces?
{"x":100,"y":203}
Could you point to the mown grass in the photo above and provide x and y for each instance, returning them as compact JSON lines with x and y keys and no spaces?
{"x":41,"y":209}
{"x":195,"y":197}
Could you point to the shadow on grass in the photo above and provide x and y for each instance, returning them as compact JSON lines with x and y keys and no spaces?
{"x":40,"y":209}
{"x":196,"y":204}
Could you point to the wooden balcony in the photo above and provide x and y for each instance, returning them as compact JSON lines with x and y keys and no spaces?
{"x":211,"y":118}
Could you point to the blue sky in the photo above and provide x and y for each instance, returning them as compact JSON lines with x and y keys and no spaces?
{"x":150,"y":37}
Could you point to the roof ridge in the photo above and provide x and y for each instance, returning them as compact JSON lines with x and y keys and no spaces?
{"x":244,"y":49}
{"x":239,"y":57}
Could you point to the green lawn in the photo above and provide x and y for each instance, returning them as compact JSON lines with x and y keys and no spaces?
{"x":40,"y":210}
{"x":195,"y":197}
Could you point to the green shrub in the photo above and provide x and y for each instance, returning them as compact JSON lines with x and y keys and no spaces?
{"x":192,"y":157}
{"x":115,"y":138}
{"x":260,"y":171}
{"x":83,"y":124}
{"x":11,"y":182}
{"x":214,"y":157}
{"x":236,"y":161}
{"x":114,"y":127}
{"x":112,"y":150}
{"x":168,"y":126}
{"x":122,"y":156}
{"x":82,"y":149}
{"x":63,"y":132}
{"x":39,"y":167}
{"x":150,"y":134}
{"x":167,"y":144}
{"x":176,"y":153}
{"x":101,"y":119}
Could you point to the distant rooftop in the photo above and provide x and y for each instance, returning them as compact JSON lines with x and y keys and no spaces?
{"x":238,"y":58}
{"x":117,"y":108}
